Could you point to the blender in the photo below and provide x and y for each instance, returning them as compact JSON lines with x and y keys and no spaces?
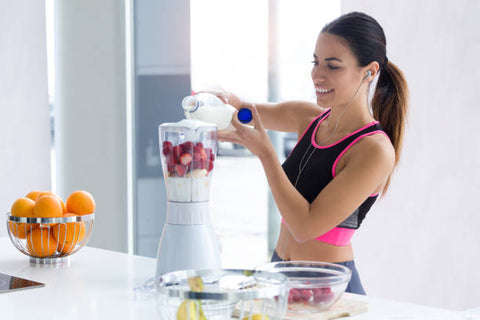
{"x":188,"y":240}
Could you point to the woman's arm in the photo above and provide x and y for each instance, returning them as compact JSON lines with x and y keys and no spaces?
{"x":368,"y":165}
{"x":288,"y":116}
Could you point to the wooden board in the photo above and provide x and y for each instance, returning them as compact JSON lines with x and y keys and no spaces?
{"x":344,"y":307}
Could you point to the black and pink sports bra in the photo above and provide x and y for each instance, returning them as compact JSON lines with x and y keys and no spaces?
{"x":320,"y":170}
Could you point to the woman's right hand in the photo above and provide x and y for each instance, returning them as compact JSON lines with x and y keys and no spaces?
{"x":226,"y":96}
{"x":252,"y":136}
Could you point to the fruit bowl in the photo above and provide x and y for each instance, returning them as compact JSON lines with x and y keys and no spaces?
{"x":50,"y":240}
{"x":224,"y":293}
{"x":313,"y":286}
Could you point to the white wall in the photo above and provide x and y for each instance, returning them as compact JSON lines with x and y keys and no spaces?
{"x":421,"y":242}
{"x":24,"y":119}
{"x":91,"y":112}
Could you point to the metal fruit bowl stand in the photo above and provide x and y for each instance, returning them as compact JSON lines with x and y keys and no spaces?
{"x":19,"y":231}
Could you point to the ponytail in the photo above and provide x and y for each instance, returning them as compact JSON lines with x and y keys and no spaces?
{"x":390,"y":105}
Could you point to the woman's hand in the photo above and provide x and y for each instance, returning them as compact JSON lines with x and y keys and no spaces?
{"x":253,"y":138}
{"x":226,"y":96}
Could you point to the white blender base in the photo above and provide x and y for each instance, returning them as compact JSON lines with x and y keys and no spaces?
{"x":184,"y":247}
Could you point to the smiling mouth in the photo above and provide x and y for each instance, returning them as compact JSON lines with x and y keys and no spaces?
{"x":323,"y":90}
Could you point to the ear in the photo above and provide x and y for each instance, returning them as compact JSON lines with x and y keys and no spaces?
{"x":373,"y":67}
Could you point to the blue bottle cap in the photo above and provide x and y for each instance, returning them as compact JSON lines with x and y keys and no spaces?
{"x":245,"y":115}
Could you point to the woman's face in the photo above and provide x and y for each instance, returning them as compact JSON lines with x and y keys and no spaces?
{"x":336,"y":74}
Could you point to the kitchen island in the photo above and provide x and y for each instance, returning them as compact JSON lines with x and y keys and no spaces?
{"x":99,"y":284}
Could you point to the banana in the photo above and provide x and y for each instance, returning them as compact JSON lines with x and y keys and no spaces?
{"x":195,"y":284}
{"x":188,"y":311}
{"x":256,"y":317}
{"x":188,"y":308}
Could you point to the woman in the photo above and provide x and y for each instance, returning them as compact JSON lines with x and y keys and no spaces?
{"x":346,"y":152}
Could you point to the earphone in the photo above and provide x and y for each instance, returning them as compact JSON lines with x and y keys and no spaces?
{"x":369,"y":73}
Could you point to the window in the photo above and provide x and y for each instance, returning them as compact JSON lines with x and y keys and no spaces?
{"x":230,"y":49}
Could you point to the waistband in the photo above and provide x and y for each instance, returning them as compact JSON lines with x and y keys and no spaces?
{"x":349,"y":264}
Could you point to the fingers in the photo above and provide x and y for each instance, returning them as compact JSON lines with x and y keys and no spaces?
{"x":220,"y":93}
{"x":233,"y":140}
{"x":226,"y":96}
{"x":228,"y":136}
{"x":256,"y":118}
{"x":235,"y":122}
{"x":223,"y":95}
{"x":223,"y":135}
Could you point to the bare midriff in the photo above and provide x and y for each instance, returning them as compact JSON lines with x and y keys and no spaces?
{"x":313,"y":250}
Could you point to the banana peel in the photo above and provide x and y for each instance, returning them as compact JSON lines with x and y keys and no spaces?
{"x":188,"y":311}
{"x":256,"y":317}
{"x":188,"y":308}
{"x":195,"y":284}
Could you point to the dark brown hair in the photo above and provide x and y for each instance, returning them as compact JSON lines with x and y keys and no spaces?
{"x":366,"y":39}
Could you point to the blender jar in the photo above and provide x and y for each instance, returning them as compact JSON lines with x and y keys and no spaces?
{"x":188,"y":149}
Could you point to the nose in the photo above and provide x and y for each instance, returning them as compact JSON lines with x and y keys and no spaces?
{"x":317,"y":75}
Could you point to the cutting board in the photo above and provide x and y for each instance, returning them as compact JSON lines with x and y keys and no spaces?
{"x":344,"y":307}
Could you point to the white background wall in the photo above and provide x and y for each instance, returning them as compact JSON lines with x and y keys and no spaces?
{"x":421,"y":243}
{"x":24,"y":120}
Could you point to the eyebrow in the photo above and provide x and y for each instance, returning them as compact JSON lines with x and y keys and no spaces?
{"x":328,"y":59}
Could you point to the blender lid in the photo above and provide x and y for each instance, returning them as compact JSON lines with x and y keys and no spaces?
{"x":190,"y":124}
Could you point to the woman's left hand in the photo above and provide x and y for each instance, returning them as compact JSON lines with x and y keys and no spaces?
{"x":253,"y":138}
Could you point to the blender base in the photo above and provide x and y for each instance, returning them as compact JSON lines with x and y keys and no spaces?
{"x":185,"y":247}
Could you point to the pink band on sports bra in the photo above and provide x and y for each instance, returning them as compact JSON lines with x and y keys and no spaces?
{"x":304,"y":132}
{"x":337,"y":236}
{"x":334,"y":167}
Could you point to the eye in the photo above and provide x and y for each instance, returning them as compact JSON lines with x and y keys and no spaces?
{"x":333,"y":67}
{"x":315,"y":63}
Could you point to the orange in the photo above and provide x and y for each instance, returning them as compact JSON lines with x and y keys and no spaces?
{"x":19,"y":229}
{"x":80,"y":202}
{"x":70,"y":232}
{"x":33,"y":195}
{"x":64,"y":207}
{"x":43,"y":193}
{"x":50,"y":193}
{"x":48,"y":206}
{"x":41,"y":243}
{"x":66,"y":248}
{"x":23,"y":207}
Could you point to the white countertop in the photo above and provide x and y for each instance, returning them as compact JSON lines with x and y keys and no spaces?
{"x":98,"y":284}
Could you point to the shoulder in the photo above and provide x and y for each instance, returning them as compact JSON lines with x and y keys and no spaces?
{"x":301,"y":108}
{"x":375,"y":149}
{"x":302,"y":113}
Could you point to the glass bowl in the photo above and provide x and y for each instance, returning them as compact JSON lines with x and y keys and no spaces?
{"x":226,"y":293}
{"x":50,"y":240}
{"x":313,"y":286}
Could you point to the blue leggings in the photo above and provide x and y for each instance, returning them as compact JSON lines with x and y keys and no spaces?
{"x":354,"y":286}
